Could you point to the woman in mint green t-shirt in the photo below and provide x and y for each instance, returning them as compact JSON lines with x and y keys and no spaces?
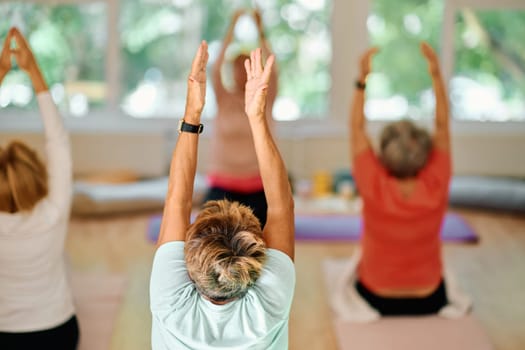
{"x":223,"y":282}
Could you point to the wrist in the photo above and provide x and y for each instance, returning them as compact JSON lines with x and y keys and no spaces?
{"x":257,"y":117}
{"x":435,"y":72}
{"x":360,"y":84}
{"x":185,"y":126}
{"x":39,"y":83}
{"x":192,"y":117}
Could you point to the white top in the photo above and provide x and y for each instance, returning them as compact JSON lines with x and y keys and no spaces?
{"x":183,"y":319}
{"x":34,"y":291}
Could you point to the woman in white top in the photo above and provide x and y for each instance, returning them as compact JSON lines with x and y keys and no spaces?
{"x":36,"y":306}
{"x":223,"y":282}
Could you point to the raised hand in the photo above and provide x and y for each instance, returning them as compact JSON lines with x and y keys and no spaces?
{"x":365,"y":63}
{"x":5,"y":55}
{"x":26,"y":61}
{"x":257,"y":84}
{"x":197,"y":84}
{"x":23,"y":55}
{"x":258,"y":19}
{"x":237,"y":14}
{"x":431,"y":57}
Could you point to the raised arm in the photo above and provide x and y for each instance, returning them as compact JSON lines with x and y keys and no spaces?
{"x":177,"y":209}
{"x":358,"y":137}
{"x":218,"y":87}
{"x":26,"y":61}
{"x":59,"y":164}
{"x":442,"y":119}
{"x":5,"y":56}
{"x":279,"y":229}
{"x":273,"y":85}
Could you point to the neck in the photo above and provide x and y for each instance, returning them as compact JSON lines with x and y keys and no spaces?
{"x":221,"y":302}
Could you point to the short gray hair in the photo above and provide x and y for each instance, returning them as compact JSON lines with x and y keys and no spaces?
{"x":225,"y":251}
{"x":404,"y":148}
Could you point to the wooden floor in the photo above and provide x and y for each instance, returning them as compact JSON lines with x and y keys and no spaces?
{"x":492,"y":272}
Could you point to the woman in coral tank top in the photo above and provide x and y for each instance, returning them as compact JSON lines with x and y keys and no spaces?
{"x":404,"y":187}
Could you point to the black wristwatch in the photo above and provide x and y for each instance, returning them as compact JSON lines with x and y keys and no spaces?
{"x":195,"y":129}
{"x":360,"y":85}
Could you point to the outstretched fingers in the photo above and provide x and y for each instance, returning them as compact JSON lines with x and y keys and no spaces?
{"x":366,"y":61}
{"x":7,"y":42}
{"x":255,"y":69}
{"x":248,"y":68}
{"x":200,"y":61}
{"x":372,"y":51}
{"x":268,"y":69}
{"x":19,"y":38}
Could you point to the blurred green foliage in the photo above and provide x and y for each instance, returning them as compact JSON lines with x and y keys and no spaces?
{"x":70,"y":42}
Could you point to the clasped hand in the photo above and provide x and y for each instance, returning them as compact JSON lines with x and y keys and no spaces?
{"x":22,"y":53}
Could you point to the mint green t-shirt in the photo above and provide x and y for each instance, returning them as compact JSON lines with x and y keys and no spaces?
{"x":183,"y":319}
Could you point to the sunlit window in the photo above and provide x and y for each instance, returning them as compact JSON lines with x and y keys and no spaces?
{"x":399,"y":86}
{"x":489,"y":72}
{"x":488,"y":80}
{"x":156,"y":38}
{"x":137,"y":64}
{"x":69,"y":42}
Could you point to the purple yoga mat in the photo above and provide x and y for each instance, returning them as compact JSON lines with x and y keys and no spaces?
{"x":347,"y":228}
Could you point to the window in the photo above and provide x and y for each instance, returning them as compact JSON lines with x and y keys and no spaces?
{"x":488,"y":81}
{"x":399,"y":85}
{"x":127,"y":58}
{"x":156,"y":38}
{"x":69,"y":42}
{"x":146,"y":54}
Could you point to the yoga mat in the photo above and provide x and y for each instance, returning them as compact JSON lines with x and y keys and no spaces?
{"x":97,"y":297}
{"x":348,"y":228}
{"x":404,"y":333}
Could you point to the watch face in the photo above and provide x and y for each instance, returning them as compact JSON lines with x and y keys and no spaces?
{"x":180,"y":125}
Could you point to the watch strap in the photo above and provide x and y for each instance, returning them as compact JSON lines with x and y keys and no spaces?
{"x":186,"y":127}
{"x":360,"y":84}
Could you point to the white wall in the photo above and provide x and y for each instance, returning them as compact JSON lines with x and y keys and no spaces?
{"x":148,"y":153}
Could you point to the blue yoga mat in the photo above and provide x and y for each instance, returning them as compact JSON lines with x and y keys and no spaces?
{"x":348,"y":228}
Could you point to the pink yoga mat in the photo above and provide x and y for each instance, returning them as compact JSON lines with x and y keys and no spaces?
{"x":404,"y":333}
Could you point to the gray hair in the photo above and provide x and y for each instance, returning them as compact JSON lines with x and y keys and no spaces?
{"x":224,"y":251}
{"x":404,"y":148}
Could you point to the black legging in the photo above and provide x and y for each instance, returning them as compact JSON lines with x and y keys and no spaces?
{"x":256,"y":200}
{"x":62,"y":337}
{"x":405,"y":306}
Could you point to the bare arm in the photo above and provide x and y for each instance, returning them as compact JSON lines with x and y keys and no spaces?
{"x":58,"y":151}
{"x":273,"y":86}
{"x":279,"y":229}
{"x":177,"y":209}
{"x":359,"y":138}
{"x":442,"y":121}
{"x":5,"y":56}
{"x":218,"y":87}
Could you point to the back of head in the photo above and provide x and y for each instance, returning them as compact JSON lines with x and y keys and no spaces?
{"x":404,"y":148}
{"x":224,"y":250}
{"x":23,"y":178}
